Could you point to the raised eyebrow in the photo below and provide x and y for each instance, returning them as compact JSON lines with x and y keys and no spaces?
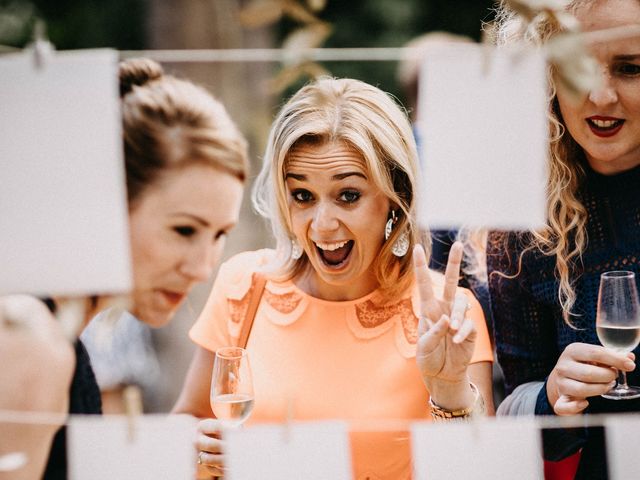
{"x":627,"y":58}
{"x":295,"y":176}
{"x":339,"y":176}
{"x":342,"y":176}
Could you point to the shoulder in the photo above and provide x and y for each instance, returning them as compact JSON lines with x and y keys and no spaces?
{"x":243,"y":265}
{"x":237,"y":274}
{"x":253,"y":261}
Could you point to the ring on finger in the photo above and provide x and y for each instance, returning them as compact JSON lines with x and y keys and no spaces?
{"x":200,"y":458}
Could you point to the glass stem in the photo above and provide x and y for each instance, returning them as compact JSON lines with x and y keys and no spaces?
{"x":622,"y":380}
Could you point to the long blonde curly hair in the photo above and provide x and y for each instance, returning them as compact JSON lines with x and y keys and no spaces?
{"x":565,"y":235}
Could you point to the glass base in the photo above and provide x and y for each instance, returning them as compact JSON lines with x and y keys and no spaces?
{"x":622,"y":393}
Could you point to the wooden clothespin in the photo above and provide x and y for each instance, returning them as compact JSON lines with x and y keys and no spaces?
{"x":288,"y":420}
{"x":132,"y":396}
{"x":42,"y":48}
{"x":487,"y":58}
{"x":71,"y":313}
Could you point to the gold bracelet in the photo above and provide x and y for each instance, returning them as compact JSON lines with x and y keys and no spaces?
{"x":477,"y":408}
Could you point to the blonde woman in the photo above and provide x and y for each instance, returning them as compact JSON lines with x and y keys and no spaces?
{"x":544,"y":284}
{"x":337,"y":331}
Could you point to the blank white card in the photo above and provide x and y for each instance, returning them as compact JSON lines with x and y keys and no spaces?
{"x":63,"y":212}
{"x":622,"y":435}
{"x":310,"y":451}
{"x":108,"y":447}
{"x":483,"y":137}
{"x":479,"y":449}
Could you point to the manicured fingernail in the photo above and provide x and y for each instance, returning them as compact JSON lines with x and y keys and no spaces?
{"x":457,"y":338}
{"x":629,"y":364}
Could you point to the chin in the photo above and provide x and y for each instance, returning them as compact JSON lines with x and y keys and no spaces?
{"x":154,"y":318}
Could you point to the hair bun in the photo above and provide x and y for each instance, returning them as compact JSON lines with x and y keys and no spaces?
{"x":137,"y":71}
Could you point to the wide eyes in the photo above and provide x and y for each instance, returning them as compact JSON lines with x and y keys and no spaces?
{"x":627,"y":69}
{"x":302,"y":196}
{"x":346,"y":196}
{"x":350,"y":196}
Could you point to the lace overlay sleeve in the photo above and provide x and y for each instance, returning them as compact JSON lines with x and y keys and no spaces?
{"x":369,"y":319}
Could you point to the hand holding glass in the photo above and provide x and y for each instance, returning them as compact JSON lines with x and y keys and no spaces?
{"x":231,"y":386}
{"x":618,"y":323}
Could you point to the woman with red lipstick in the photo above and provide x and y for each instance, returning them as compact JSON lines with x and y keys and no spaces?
{"x":544,"y":284}
{"x":186,"y":163}
{"x":343,"y":319}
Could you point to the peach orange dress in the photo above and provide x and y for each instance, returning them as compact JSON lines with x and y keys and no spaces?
{"x":352,"y":360}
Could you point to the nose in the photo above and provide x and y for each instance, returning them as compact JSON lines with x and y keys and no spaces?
{"x":324,"y":218}
{"x":606,"y":93}
{"x":198,"y":262}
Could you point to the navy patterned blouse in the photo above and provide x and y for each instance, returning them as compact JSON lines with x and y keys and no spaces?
{"x":530,"y":332}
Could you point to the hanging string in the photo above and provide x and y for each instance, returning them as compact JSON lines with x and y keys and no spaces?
{"x":363,"y":425}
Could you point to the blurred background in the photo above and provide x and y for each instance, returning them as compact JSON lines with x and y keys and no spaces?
{"x":252,"y":91}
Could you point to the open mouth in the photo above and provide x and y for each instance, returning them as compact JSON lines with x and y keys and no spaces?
{"x":172,"y":298}
{"x":604,"y":127}
{"x":335,"y":254}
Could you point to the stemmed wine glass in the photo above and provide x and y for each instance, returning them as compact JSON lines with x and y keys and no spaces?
{"x":618,"y":323}
{"x":231,"y":386}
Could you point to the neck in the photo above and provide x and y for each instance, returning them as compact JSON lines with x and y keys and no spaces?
{"x":311,"y":283}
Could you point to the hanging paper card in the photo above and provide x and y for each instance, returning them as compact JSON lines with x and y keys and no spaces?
{"x":482,"y":132}
{"x":63,"y":212}
{"x":481,"y":449}
{"x":116,"y":446}
{"x":313,"y":451}
{"x":622,"y":433}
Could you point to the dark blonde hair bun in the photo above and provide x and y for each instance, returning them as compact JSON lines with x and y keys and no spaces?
{"x":170,"y":123}
{"x":137,"y":71}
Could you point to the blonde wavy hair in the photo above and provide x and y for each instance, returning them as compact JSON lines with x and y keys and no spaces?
{"x":565,"y":235}
{"x":369,"y":121}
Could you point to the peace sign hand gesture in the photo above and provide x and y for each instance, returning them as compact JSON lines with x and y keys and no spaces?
{"x":446,"y":338}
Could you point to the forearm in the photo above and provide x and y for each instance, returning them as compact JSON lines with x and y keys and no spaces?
{"x":194,"y":397}
{"x":459,"y":395}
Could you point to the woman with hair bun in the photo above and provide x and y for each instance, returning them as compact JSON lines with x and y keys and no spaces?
{"x":345,"y":328}
{"x":186,"y":164}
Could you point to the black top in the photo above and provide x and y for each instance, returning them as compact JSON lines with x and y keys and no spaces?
{"x":84,"y":399}
{"x":530,"y":333}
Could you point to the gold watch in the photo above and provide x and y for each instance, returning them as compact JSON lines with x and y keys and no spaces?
{"x":476,"y":408}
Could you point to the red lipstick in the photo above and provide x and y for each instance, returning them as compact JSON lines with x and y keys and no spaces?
{"x":604,"y":126}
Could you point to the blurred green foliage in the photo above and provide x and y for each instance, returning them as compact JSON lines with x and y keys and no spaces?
{"x":392,"y":23}
{"x":122,"y":24}
{"x":74,"y":24}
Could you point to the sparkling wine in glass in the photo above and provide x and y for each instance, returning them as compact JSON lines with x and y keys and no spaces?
{"x":231,"y":386}
{"x":618,"y":323}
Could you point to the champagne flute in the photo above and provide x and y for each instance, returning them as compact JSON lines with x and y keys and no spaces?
{"x":231,"y":386}
{"x":618,"y":323}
